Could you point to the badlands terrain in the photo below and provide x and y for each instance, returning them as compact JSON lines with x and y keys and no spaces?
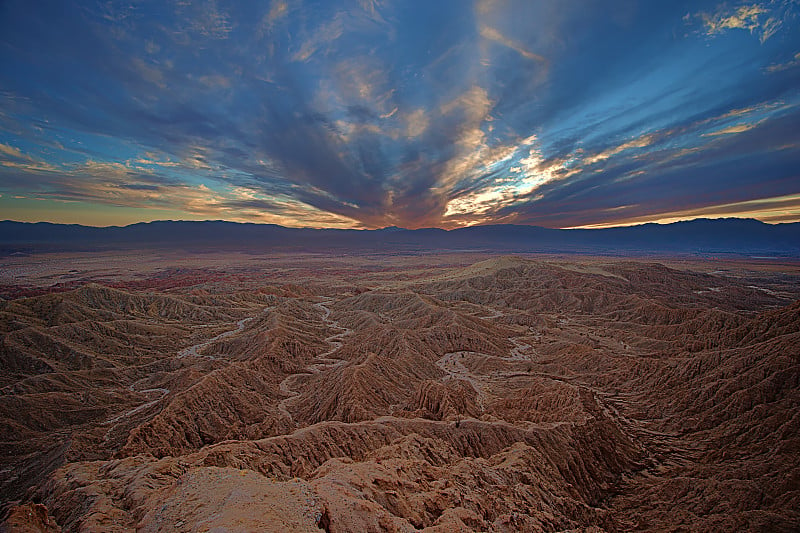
{"x":452,"y":392}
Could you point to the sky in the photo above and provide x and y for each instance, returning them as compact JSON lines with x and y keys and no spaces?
{"x":374,"y":113}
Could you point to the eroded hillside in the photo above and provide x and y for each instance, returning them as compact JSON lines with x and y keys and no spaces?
{"x":505,"y":394}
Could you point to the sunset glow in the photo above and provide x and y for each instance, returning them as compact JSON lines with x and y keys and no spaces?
{"x":368,"y":113}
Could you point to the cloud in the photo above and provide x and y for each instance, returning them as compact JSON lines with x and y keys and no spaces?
{"x":730,"y":169}
{"x":13,"y":157}
{"x":206,"y":19}
{"x":371,"y":113}
{"x":13,"y":152}
{"x":416,"y":123}
{"x":736,"y":128}
{"x":278,"y":10}
{"x":512,"y":177}
{"x":495,"y":36}
{"x":472,"y":109}
{"x":772,"y":210}
{"x":321,"y":37}
{"x":149,"y":73}
{"x":778,"y":67}
{"x":373,"y":9}
{"x":215,"y":81}
{"x":134,"y":185}
{"x":641,"y":142}
{"x":744,"y":17}
{"x":763,"y":19}
{"x":390,"y":113}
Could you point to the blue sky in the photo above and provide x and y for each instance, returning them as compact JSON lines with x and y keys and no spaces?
{"x":372,"y":113}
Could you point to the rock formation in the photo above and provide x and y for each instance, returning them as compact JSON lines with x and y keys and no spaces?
{"x":504,"y":395}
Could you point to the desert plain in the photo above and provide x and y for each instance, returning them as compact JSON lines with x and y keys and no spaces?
{"x":172,"y":391}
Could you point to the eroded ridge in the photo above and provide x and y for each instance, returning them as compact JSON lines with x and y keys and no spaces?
{"x":505,"y":394}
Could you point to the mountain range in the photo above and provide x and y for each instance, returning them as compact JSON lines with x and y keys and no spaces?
{"x":700,"y":236}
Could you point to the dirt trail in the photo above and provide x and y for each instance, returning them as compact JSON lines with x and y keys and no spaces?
{"x":496,"y":313}
{"x":452,"y":365}
{"x":518,"y":349}
{"x":192,"y":351}
{"x":326,"y":363}
{"x":162,"y":392}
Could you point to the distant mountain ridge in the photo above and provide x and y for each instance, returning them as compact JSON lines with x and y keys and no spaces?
{"x":704,"y":236}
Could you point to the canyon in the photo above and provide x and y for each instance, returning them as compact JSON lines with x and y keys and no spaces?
{"x":372,"y":391}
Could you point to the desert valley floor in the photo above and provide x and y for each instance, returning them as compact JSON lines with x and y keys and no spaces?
{"x":151,"y":391}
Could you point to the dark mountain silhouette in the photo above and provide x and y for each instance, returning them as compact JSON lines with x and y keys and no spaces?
{"x":732,"y":235}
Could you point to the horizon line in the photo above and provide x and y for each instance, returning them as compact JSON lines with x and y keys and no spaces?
{"x":600,"y":226}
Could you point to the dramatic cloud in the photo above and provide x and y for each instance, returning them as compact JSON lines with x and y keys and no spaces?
{"x":371,"y":113}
